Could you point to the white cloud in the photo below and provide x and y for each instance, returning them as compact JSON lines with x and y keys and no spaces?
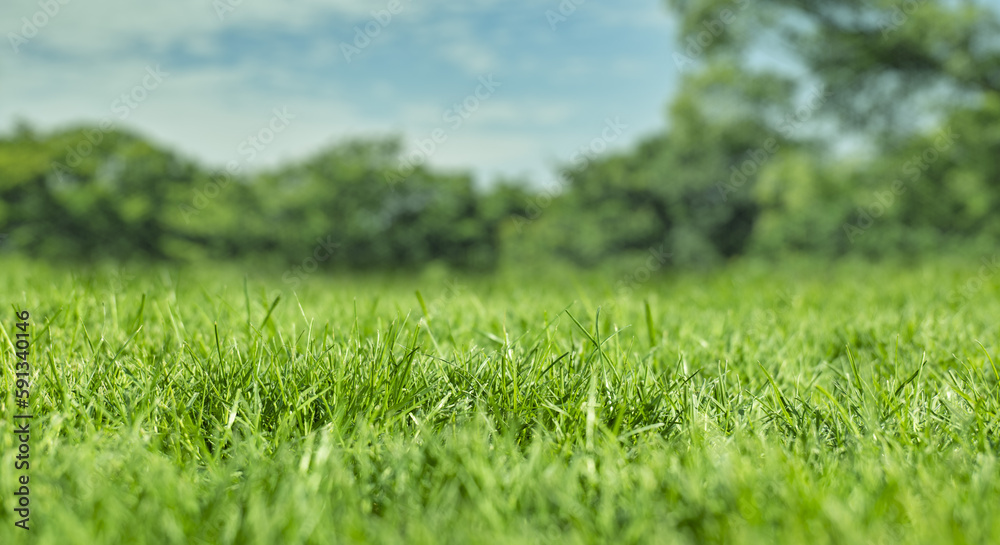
{"x":88,"y":27}
{"x":522,"y":113}
{"x":226,"y":76}
{"x":474,"y":58}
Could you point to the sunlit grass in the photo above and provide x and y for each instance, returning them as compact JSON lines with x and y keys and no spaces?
{"x":848,"y":404}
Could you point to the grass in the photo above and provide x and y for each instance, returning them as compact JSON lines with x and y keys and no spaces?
{"x":809,"y":404}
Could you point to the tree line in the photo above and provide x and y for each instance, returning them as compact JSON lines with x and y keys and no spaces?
{"x":879,"y":133}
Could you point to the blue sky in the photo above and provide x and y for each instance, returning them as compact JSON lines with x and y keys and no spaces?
{"x":225,"y":66}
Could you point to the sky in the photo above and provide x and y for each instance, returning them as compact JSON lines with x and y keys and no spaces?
{"x":498,"y":88}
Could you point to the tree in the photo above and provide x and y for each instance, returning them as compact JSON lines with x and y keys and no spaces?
{"x":89,"y":193}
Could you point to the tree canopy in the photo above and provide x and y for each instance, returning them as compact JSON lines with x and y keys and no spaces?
{"x":825,"y":127}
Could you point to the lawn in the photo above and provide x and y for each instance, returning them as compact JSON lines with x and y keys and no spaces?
{"x":812,"y":403}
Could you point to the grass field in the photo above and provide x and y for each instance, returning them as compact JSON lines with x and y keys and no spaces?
{"x":808,"y":404}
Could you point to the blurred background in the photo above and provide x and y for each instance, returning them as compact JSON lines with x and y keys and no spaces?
{"x":394,"y":135}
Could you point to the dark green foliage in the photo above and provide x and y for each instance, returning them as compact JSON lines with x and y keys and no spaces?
{"x":345,"y":207}
{"x":873,"y":130}
{"x":90,"y":193}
